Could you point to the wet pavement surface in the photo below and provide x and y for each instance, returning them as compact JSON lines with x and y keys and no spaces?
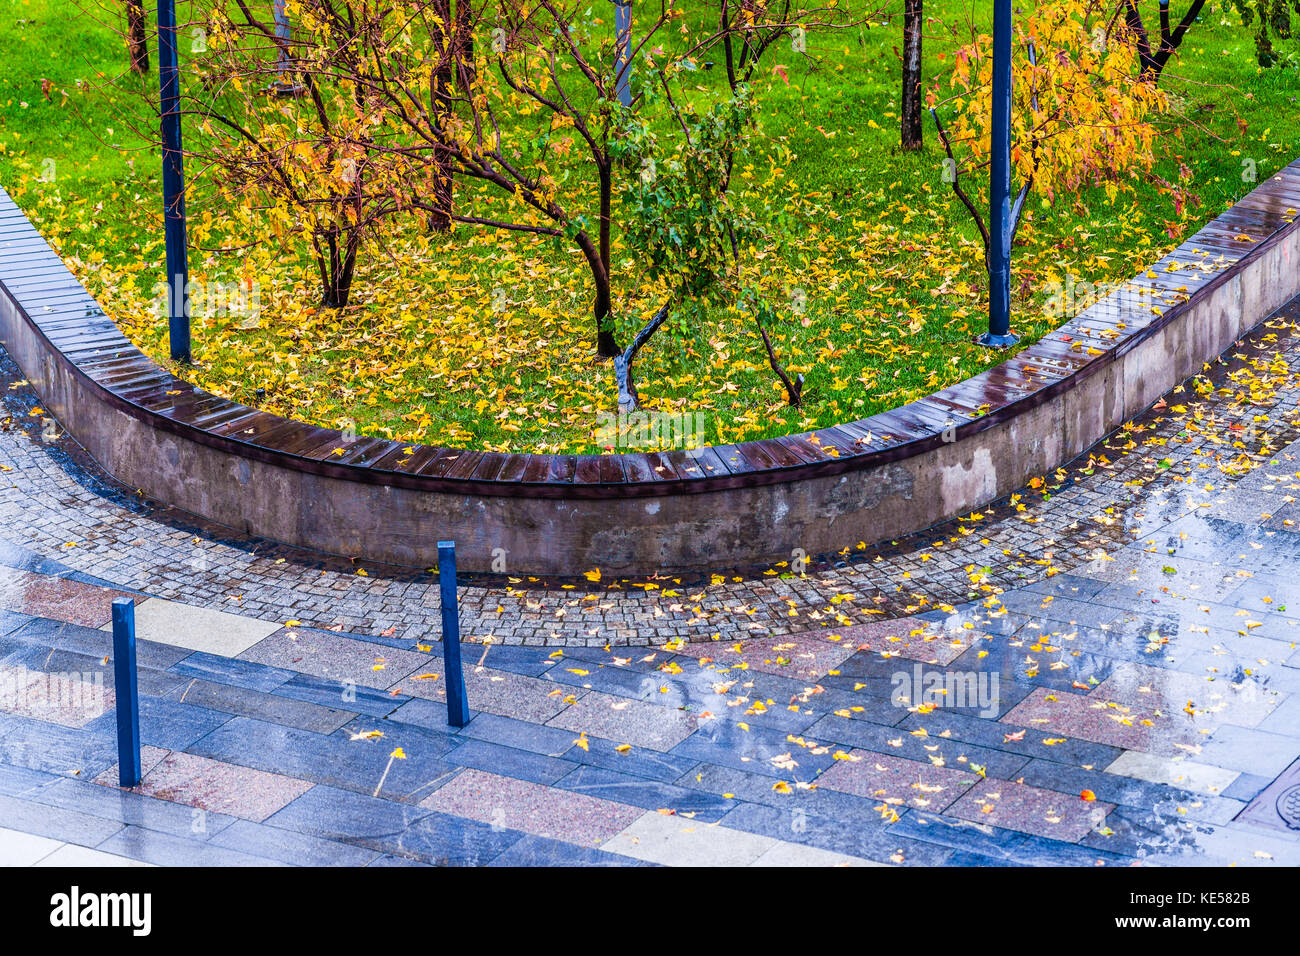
{"x":1099,"y":670}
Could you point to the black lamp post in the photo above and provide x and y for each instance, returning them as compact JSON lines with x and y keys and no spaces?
{"x":1001,"y":221}
{"x":283,"y":62}
{"x":623,"y":50}
{"x":178,"y":270}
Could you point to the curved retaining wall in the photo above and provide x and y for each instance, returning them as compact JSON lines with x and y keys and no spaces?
{"x":731,"y":505}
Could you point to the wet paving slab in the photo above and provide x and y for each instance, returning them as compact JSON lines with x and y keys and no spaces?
{"x":1100,"y":671}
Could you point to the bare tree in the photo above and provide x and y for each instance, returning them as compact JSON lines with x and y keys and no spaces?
{"x":910,"y":120}
{"x":1156,"y":57}
{"x":399,"y":103}
{"x":137,"y":37}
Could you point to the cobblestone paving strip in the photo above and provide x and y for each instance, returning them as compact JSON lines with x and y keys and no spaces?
{"x":1181,"y":460}
{"x":1100,"y":670}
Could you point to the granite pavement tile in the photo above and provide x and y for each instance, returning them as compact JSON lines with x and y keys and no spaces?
{"x":340,"y":695}
{"x":508,"y":761}
{"x":215,"y":786}
{"x":913,"y":638}
{"x":71,"y":856}
{"x":744,"y":787}
{"x":758,"y":750}
{"x":1130,"y":791}
{"x":60,"y":599}
{"x":286,"y":846}
{"x":923,"y":742}
{"x":1249,"y":750}
{"x":647,"y":794}
{"x":94,"y":643}
{"x":1174,"y":772}
{"x":24,"y":849}
{"x":55,"y":823}
{"x":337,"y":658}
{"x":800,"y":855}
{"x":676,"y":841}
{"x":948,"y":725}
{"x":1061,"y":714}
{"x":274,"y":708}
{"x":519,"y":734}
{"x":650,"y":765}
{"x":397,"y":829}
{"x":20,"y":781}
{"x":628,"y":721}
{"x":165,"y":849}
{"x":1019,"y":806}
{"x":53,"y":748}
{"x":215,"y":668}
{"x":540,"y":851}
{"x":543,"y":811}
{"x":999,"y":847}
{"x":866,"y":838}
{"x":166,"y":723}
{"x":807,"y":656}
{"x":337,"y":759}
{"x":71,"y":699}
{"x":130,"y":808}
{"x":197,"y":628}
{"x":898,"y":782}
{"x":1214,"y":700}
{"x":499,"y":692}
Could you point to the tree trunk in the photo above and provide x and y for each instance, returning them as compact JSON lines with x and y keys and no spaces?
{"x":628,"y":400}
{"x":464,"y":45}
{"x":1153,"y":62}
{"x":793,"y":387}
{"x":606,"y":344}
{"x":913,"y":21}
{"x":337,"y":266}
{"x":440,"y":107}
{"x":137,"y":42}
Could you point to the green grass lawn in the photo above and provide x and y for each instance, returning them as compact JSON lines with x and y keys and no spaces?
{"x":882,"y":258}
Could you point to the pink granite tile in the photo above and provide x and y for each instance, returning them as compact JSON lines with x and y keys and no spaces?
{"x":897,"y":781}
{"x":930,"y":642}
{"x":215,"y":786}
{"x":532,"y":808}
{"x":1212,"y":702}
{"x":806,"y":656}
{"x":150,"y":757}
{"x":1090,"y":717}
{"x":494,"y":691}
{"x":626,"y":721}
{"x":1018,"y":806}
{"x":56,"y":598}
{"x":72,"y":700}
{"x":339,"y":658}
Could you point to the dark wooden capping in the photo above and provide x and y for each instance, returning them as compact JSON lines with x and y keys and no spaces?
{"x":77,"y":336}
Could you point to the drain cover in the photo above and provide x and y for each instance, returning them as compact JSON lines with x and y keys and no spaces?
{"x":1278,"y":807}
{"x":1288,"y":807}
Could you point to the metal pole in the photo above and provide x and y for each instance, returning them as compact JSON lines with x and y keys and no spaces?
{"x":127,"y":692}
{"x":623,"y":48}
{"x":457,"y":705}
{"x":178,"y":269}
{"x":999,"y":331}
{"x":283,"y":61}
{"x":282,"y":33}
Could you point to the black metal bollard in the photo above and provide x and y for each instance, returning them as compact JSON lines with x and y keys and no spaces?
{"x":127,"y":692}
{"x":457,"y":705}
